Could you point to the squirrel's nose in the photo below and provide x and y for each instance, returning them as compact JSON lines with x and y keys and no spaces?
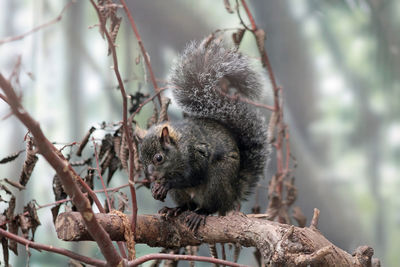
{"x":150,"y":169}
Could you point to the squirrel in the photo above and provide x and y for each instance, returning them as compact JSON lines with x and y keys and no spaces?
{"x":209,"y":161}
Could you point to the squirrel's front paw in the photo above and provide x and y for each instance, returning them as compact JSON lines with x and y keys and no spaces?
{"x":159,"y":191}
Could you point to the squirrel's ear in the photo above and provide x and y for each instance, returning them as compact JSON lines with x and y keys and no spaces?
{"x":165,"y":137}
{"x":139,"y":133}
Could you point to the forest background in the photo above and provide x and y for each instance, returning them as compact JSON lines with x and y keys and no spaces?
{"x":338,"y":63}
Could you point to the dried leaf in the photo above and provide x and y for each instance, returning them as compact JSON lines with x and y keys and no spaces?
{"x":260,"y":37}
{"x":12,"y":223}
{"x":136,"y":100}
{"x":117,"y":142}
{"x":112,"y":168}
{"x":124,"y":153}
{"x":106,"y":145}
{"x":54,"y":212}
{"x":33,"y":217}
{"x":5,"y":188}
{"x":115,"y":24}
{"x":89,"y":178}
{"x":11,"y":157}
{"x":89,"y":181}
{"x":6,"y":254}
{"x":238,"y":36}
{"x":15,"y":184}
{"x":29,"y":163}
{"x":85,"y":141}
{"x":106,"y":161}
{"x":58,"y":188}
{"x":24,"y":225}
{"x":9,"y":212}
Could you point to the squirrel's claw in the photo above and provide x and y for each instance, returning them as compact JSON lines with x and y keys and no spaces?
{"x":159,"y":191}
{"x":194,"y":220}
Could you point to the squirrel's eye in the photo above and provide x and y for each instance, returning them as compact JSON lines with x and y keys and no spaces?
{"x":158,"y":158}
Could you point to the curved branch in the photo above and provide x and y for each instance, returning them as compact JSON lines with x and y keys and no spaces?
{"x":60,"y":251}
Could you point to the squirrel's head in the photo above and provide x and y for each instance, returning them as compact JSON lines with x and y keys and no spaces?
{"x":159,"y":153}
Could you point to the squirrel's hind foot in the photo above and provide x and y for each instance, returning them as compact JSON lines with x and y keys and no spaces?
{"x":193,"y":220}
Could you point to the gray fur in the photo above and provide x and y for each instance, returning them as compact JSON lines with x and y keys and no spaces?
{"x":196,"y":79}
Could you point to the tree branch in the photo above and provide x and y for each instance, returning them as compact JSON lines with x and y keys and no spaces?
{"x":66,"y":173}
{"x":37,"y":28}
{"x":61,"y":251}
{"x":278,"y":243}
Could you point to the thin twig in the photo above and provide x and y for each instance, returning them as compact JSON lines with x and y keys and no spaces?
{"x":139,"y":108}
{"x":114,"y":189}
{"x":101,"y":176}
{"x":175,"y":257}
{"x":144,"y":53}
{"x":62,"y":251}
{"x":66,"y":173}
{"x":252,"y":21}
{"x":37,"y":28}
{"x":126,"y":124}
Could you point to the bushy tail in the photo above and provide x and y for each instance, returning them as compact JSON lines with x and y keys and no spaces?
{"x":202,"y":80}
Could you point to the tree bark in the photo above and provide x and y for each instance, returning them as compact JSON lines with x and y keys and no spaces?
{"x":279,"y":244}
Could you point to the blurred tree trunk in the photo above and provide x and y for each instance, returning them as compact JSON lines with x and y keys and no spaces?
{"x":293,"y":64}
{"x":73,"y":59}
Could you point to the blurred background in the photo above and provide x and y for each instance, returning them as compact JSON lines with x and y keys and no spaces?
{"x":338,"y":63}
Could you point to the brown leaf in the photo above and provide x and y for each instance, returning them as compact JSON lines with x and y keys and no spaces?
{"x":124,"y":153}
{"x":29,"y":163}
{"x":238,"y":36}
{"x":15,"y":184}
{"x":85,"y":141}
{"x":106,"y":145}
{"x":58,"y":188}
{"x":12,"y":223}
{"x":54,"y":212}
{"x":33,"y":217}
{"x":5,"y":188}
{"x":11,"y":157}
{"x":112,"y":168}
{"x":24,"y":225}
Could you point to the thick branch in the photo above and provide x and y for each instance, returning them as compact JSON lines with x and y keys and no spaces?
{"x":278,"y":243}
